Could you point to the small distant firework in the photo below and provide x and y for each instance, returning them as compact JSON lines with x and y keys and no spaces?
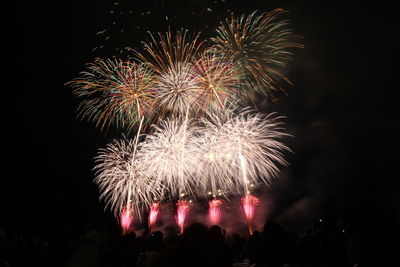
{"x":153,"y":214}
{"x":183,"y":207}
{"x":241,"y":150}
{"x":214,"y":211}
{"x":249,"y":204}
{"x":171,"y":58}
{"x":120,"y":178}
{"x":218,"y":82}
{"x":171,"y":156}
{"x":115,"y":91}
{"x":261,"y":45}
{"x":126,"y":219}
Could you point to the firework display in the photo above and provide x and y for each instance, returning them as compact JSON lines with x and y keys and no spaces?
{"x":200,"y":143}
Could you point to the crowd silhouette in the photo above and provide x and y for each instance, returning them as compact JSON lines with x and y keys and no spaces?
{"x":325,"y":245}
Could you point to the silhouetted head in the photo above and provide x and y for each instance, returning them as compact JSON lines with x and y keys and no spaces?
{"x":273,"y":227}
{"x":256,"y":234}
{"x":92,"y":232}
{"x":128,"y":238}
{"x":215,"y":233}
{"x":195,"y":232}
{"x":158,"y":236}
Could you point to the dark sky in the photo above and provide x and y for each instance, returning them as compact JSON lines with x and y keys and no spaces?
{"x":341,"y":109}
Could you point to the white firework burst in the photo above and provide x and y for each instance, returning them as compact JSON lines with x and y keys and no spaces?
{"x":172,"y":157}
{"x":240,"y":151}
{"x":177,"y":88}
{"x":121,"y":178}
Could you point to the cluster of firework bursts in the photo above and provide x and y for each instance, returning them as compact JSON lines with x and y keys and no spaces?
{"x":181,"y":96}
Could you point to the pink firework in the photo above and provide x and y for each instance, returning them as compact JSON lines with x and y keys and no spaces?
{"x":154,"y":209}
{"x":214,"y":211}
{"x":183,"y":209}
{"x":249,"y":204}
{"x":126,"y":219}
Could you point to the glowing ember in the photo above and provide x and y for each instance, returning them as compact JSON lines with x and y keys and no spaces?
{"x":214,"y":211}
{"x":183,"y":208}
{"x":126,"y":219}
{"x":249,"y":204}
{"x":154,"y":209}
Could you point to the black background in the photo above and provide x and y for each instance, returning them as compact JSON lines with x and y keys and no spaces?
{"x":342,"y":110}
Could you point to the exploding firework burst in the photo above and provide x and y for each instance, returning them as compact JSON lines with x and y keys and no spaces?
{"x":171,"y":58}
{"x":171,"y":156}
{"x":216,"y":174}
{"x":261,"y":44}
{"x":240,"y":151}
{"x":218,"y":82}
{"x":121,"y":180}
{"x":115,"y":91}
{"x":177,"y":89}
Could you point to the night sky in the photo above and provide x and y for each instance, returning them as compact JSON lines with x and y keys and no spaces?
{"x":341,"y":109}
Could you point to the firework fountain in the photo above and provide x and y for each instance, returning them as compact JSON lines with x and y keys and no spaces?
{"x":126,"y":219}
{"x":214,"y":211}
{"x":249,"y":204}
{"x":183,"y":207}
{"x":153,"y":214}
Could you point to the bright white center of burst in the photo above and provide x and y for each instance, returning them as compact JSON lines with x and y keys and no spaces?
{"x":210,"y":156}
{"x":177,"y":87}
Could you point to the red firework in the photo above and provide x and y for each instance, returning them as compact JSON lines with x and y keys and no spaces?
{"x":126,"y":219}
{"x":154,"y":209}
{"x":249,"y":204}
{"x":183,"y":209}
{"x":214,"y":211}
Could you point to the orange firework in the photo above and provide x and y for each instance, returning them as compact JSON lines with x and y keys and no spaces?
{"x":218,"y":82}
